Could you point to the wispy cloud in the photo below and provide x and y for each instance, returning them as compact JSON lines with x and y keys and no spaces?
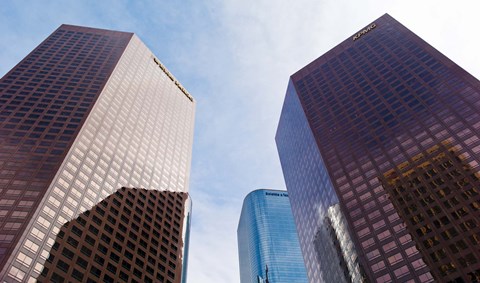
{"x":235,"y":57}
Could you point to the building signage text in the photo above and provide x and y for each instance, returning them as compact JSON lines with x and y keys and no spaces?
{"x":172,"y":78}
{"x":369,"y":28}
{"x":277,"y":194}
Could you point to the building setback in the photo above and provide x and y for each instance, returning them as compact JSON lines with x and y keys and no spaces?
{"x":86,"y":112}
{"x":134,"y":235}
{"x":386,"y":128}
{"x":268,"y":241}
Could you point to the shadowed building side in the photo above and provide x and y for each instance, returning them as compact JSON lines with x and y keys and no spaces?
{"x":436,"y":196}
{"x":134,"y":235}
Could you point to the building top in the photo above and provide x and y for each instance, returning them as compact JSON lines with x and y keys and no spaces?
{"x":383,"y":21}
{"x":92,"y":30}
{"x":106,"y":32}
{"x":385,"y":24}
{"x":273,"y":191}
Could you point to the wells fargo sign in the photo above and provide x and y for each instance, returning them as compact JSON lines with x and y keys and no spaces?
{"x":172,"y":78}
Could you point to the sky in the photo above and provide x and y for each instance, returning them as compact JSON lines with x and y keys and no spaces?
{"x":235,"y":57}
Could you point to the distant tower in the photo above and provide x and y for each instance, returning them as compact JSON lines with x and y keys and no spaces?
{"x":384,"y":130}
{"x":85,"y":113}
{"x":267,"y":240}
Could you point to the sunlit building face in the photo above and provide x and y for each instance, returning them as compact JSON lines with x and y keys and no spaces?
{"x":87,"y":112}
{"x":387,"y":128}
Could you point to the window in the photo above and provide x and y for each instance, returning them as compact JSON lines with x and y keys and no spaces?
{"x":137,"y":273}
{"x":77,"y":275}
{"x":119,"y":237}
{"x":68,"y":253}
{"x":105,"y":238}
{"x":24,"y":259}
{"x":111,"y":268}
{"x":100,"y":211}
{"x":385,"y":278}
{"x":92,"y":229}
{"x":395,"y":258}
{"x":114,"y":257}
{"x":128,"y":254}
{"x":86,"y":251}
{"x":76,"y":231}
{"x":384,"y":235}
{"x":402,"y":271}
{"x":98,"y":259}
{"x":117,"y":246}
{"x":126,"y":265}
{"x":139,"y":263}
{"x":97,"y":220}
{"x":90,"y":240}
{"x":364,"y":232}
{"x":63,"y":265}
{"x":123,"y":276}
{"x":108,"y":279}
{"x":111,"y":220}
{"x":57,"y":278}
{"x":72,"y":242}
{"x":426,"y":277}
{"x":82,"y":263}
{"x":95,"y":271}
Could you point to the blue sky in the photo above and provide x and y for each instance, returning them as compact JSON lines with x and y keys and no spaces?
{"x":235,"y":58}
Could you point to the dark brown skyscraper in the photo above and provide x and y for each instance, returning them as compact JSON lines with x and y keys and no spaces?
{"x":134,"y":235}
{"x":388,"y":128}
{"x":85,"y":113}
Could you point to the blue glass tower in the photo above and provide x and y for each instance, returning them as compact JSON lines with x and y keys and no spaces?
{"x":267,"y":238}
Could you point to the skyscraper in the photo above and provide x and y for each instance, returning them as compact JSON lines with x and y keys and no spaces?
{"x":268,"y":245}
{"x":85,"y":113}
{"x":134,"y":235}
{"x":385,"y":128}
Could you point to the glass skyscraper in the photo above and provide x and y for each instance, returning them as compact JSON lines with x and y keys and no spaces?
{"x":384,"y":131}
{"x":268,"y":245}
{"x":87,"y":112}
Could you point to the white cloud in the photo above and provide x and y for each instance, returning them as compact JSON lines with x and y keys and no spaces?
{"x":235,"y":57}
{"x":268,"y":42}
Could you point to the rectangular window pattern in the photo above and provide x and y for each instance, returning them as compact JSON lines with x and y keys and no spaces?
{"x":387,"y":107}
{"x":75,"y":256}
{"x":115,"y":119}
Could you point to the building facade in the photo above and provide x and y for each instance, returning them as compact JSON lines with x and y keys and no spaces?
{"x":268,"y":244}
{"x":340,"y":238}
{"x":134,"y":235}
{"x":85,"y":113}
{"x":386,"y":128}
